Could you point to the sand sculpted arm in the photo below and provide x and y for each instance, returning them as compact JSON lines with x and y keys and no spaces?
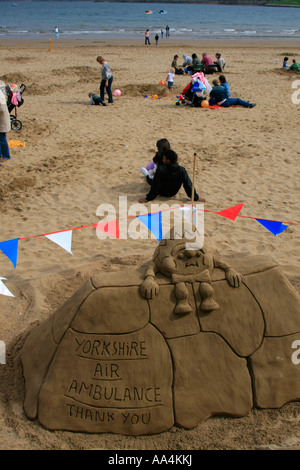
{"x":233,"y":277}
{"x":150,"y":288}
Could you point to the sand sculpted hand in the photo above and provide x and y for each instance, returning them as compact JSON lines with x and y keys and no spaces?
{"x":234,"y":278}
{"x":149,"y":289}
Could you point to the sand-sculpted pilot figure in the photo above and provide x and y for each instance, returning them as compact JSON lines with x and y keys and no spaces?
{"x":181,"y":265}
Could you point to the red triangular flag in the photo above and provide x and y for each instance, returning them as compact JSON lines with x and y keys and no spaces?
{"x":111,"y":228}
{"x":232,"y":212}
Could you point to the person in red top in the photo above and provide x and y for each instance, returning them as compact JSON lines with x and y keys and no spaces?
{"x":209,"y":65}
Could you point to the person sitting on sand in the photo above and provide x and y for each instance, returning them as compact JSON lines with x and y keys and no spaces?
{"x":224,"y":83}
{"x":169,"y":178}
{"x":220,"y":62}
{"x":174,"y":65}
{"x":197,"y":66}
{"x":285,"y":64}
{"x":295,"y":66}
{"x":187,"y":62}
{"x":208,"y":63}
{"x":96,"y":100}
{"x":162,"y":146}
{"x":218,"y":95}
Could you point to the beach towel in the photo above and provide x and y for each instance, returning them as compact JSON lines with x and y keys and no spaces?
{"x":15,"y":143}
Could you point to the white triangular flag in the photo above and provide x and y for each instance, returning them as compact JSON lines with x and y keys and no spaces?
{"x":190,"y":214}
{"x":2,"y":353}
{"x":3,"y":289}
{"x":63,"y":239}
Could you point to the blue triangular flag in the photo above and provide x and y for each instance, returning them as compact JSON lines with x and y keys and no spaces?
{"x":273,"y":226}
{"x":10,"y":249}
{"x":153,"y":223}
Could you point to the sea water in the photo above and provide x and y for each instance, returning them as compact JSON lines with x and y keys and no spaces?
{"x":32,"y":19}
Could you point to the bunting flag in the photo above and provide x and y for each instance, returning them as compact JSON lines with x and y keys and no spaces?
{"x":3,"y":288}
{"x":190,"y":214}
{"x":111,"y":228}
{"x":153,"y":223}
{"x":151,"y":220}
{"x":2,"y":352}
{"x":274,"y":227}
{"x":63,"y":239}
{"x":10,"y":249}
{"x":232,"y":212}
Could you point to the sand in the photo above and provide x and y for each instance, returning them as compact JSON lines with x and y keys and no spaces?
{"x":77,"y":157}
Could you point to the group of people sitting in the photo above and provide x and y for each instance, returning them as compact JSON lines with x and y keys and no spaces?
{"x":295,"y":65}
{"x":165,"y":176}
{"x":194,"y":64}
{"x":218,"y":94}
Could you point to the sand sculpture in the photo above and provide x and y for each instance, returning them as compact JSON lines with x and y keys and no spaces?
{"x":135,"y":353}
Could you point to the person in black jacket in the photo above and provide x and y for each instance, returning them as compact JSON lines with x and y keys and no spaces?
{"x":169,"y":178}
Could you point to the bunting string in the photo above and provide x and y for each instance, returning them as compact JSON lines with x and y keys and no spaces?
{"x":152,"y":220}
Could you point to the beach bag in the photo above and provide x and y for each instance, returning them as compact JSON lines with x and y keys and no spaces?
{"x":197,"y":100}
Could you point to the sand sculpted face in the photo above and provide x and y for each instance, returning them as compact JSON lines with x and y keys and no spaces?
{"x":189,"y":336}
{"x":182,"y":265}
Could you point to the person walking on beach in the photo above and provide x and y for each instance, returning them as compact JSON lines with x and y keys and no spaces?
{"x":167,"y":31}
{"x":147,"y":37}
{"x":56,"y":33}
{"x":156,"y":38}
{"x":169,"y":178}
{"x":106,"y":79}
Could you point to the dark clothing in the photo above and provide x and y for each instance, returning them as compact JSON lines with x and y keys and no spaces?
{"x":103,"y":88}
{"x":96,"y":100}
{"x":168,"y":180}
{"x":217,"y":95}
{"x":4,"y":147}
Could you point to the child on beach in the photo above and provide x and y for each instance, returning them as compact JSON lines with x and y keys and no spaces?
{"x":96,"y":100}
{"x":285,"y":64}
{"x":162,"y":146}
{"x":170,"y":79}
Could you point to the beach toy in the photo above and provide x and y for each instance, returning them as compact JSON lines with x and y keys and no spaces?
{"x":95,"y":365}
{"x":117,"y":93}
{"x":162,"y":82}
{"x":155,"y":97}
{"x":204,"y":104}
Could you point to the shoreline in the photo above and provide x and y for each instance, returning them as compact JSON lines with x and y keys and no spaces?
{"x":122,"y":42}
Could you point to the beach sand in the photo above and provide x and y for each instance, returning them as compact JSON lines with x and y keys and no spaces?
{"x":77,"y":157}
